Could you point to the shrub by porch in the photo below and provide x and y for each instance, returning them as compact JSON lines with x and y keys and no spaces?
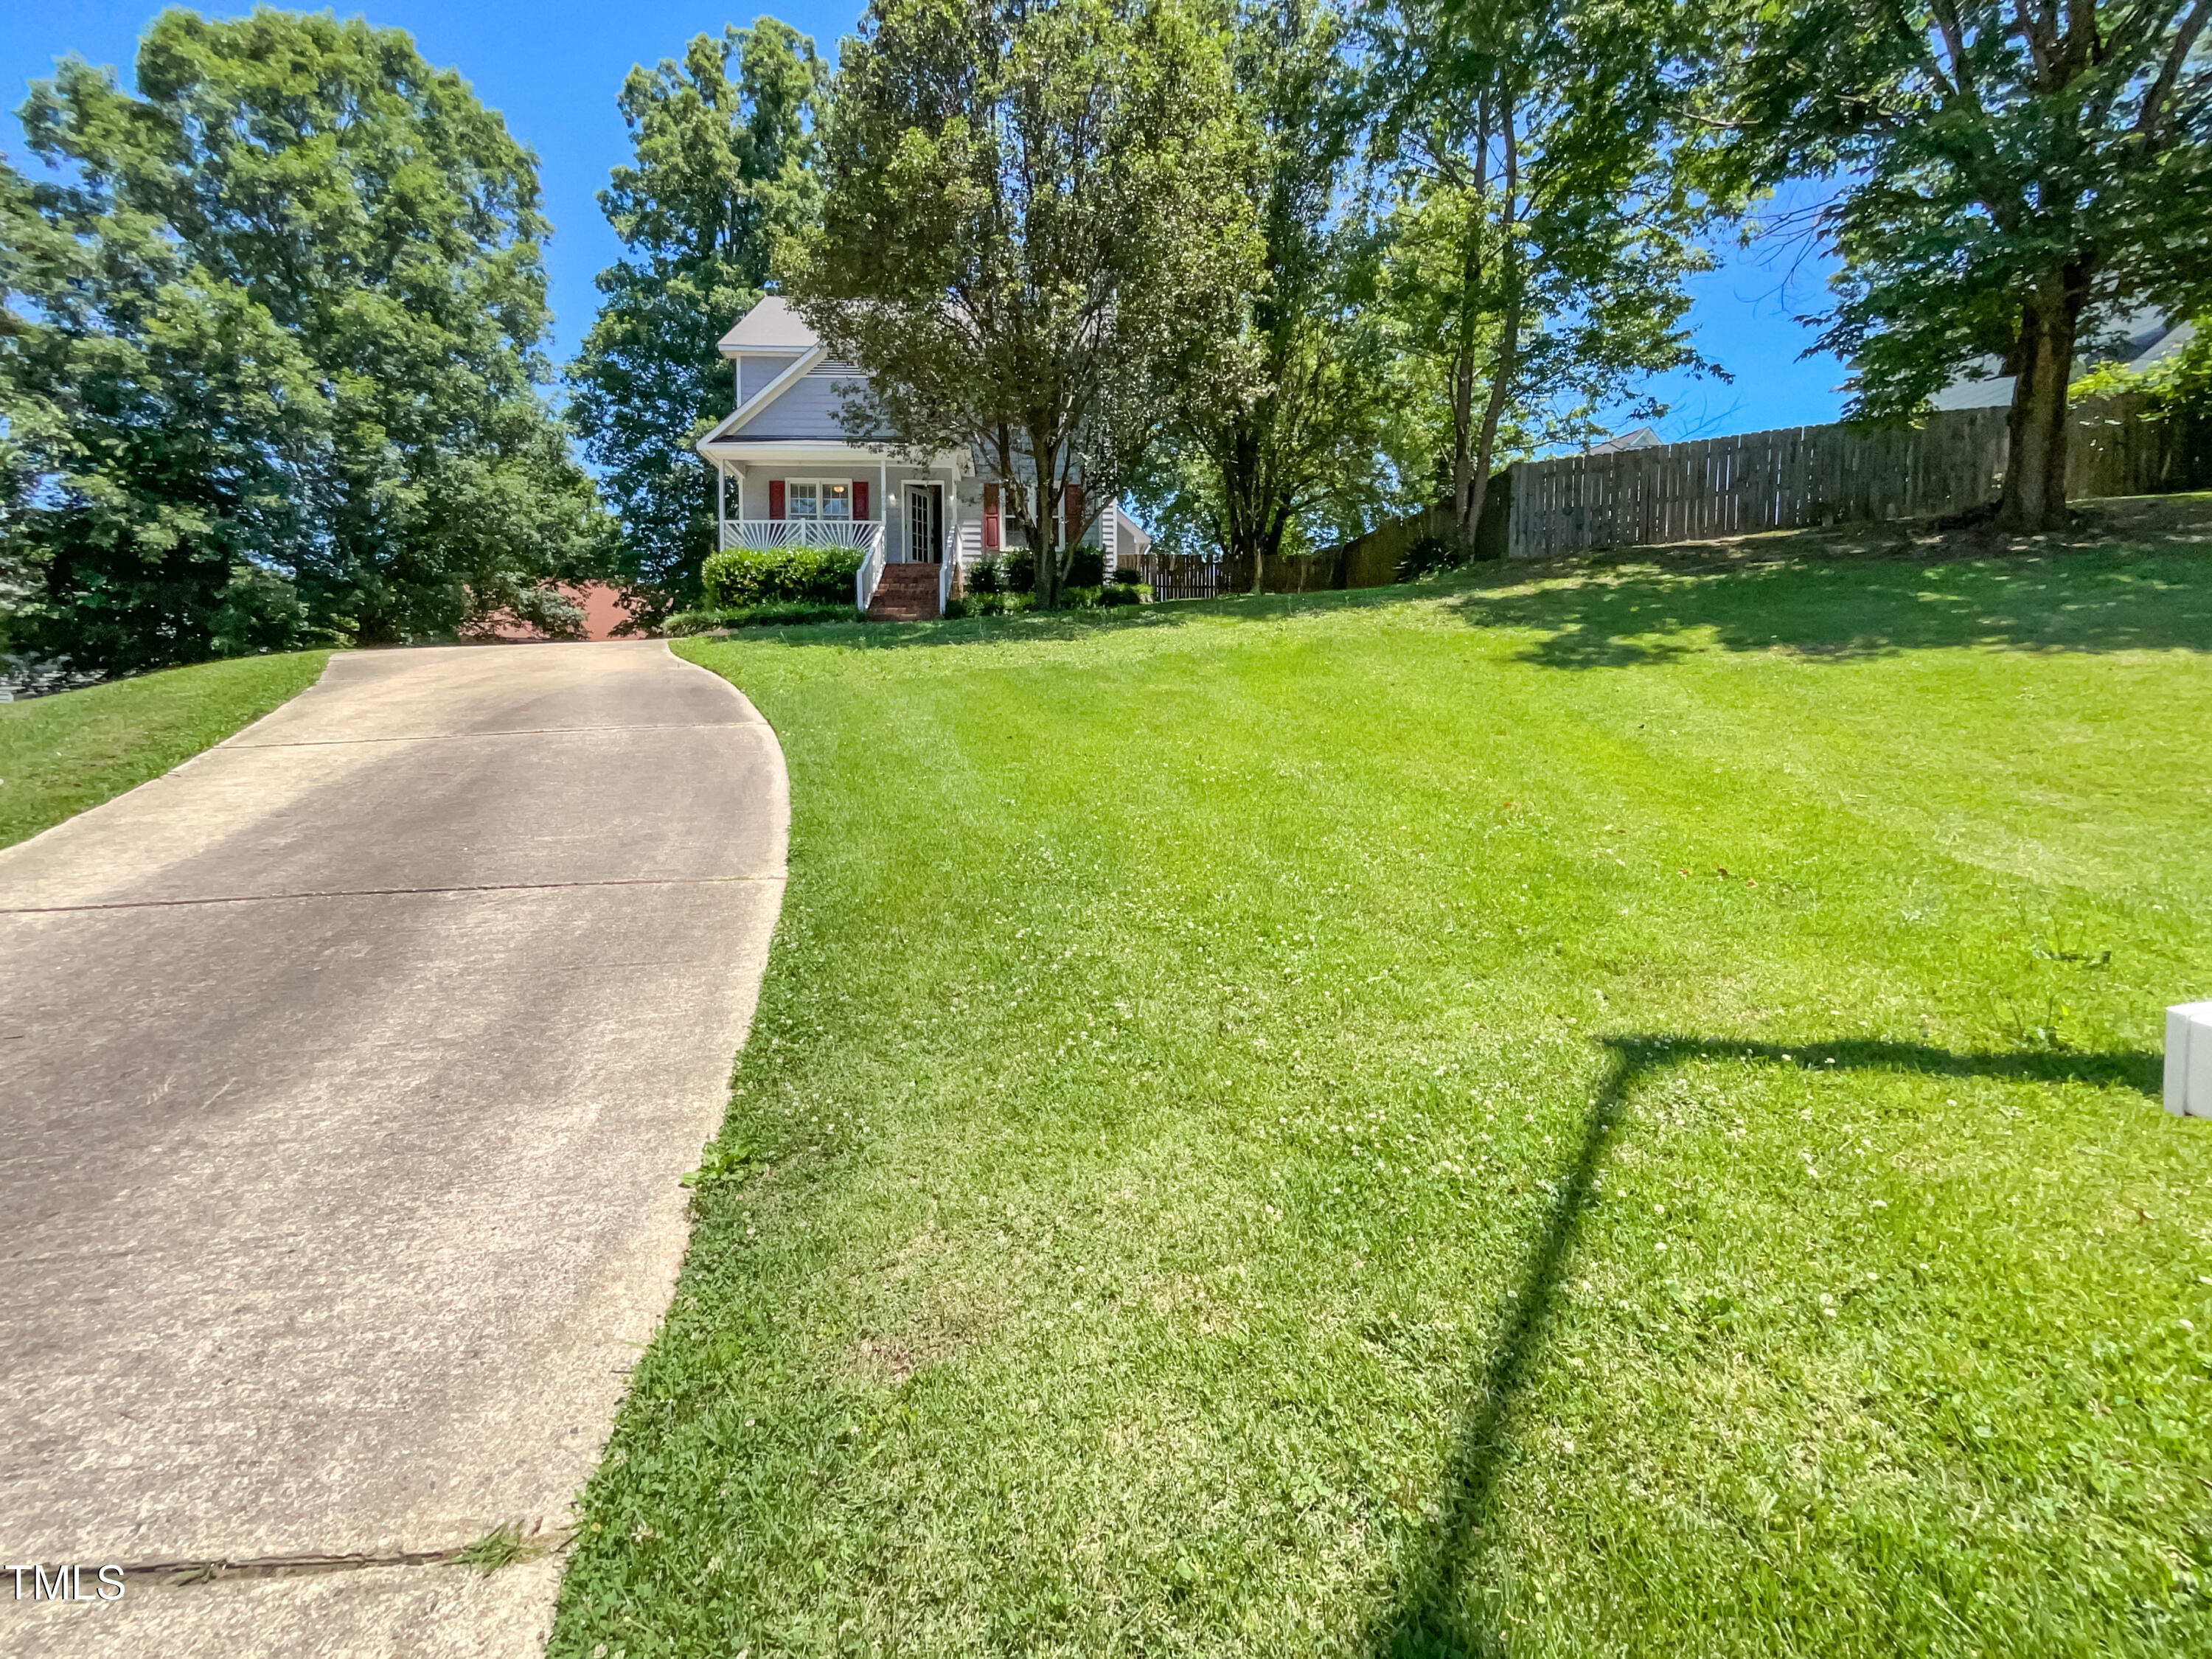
{"x":743,"y":576}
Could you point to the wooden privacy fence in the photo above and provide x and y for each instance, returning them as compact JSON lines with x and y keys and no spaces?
{"x":1798,"y":477}
{"x":1181,"y":576}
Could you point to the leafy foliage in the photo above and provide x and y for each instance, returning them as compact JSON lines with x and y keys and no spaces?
{"x":1289,"y":455}
{"x":1033,"y":239}
{"x":767,"y":613}
{"x":2011,"y":182}
{"x":1544,"y":218}
{"x":723,"y":145}
{"x":748,"y":576}
{"x":272,"y":336}
{"x":2179,"y":383}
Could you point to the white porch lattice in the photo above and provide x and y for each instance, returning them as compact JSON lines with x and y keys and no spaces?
{"x":863,"y":533}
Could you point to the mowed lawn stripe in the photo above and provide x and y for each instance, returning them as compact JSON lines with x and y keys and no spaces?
{"x":62,"y":753}
{"x":1572,"y":1112}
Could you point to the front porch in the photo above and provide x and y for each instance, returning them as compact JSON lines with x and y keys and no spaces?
{"x":869,"y":538}
{"x":821,"y":495}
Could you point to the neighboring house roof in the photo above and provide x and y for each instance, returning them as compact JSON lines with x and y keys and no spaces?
{"x":2144,"y":338}
{"x":1642,"y":438}
{"x":770,"y":325}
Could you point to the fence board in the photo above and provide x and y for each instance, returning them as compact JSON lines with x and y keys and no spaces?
{"x":1793,"y":477}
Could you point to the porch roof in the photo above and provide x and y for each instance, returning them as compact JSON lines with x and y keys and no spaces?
{"x":737,"y":449}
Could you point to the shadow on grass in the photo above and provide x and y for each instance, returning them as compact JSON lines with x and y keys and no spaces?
{"x":1033,"y":627}
{"x":1427,"y":1620}
{"x":1597,"y":614}
{"x":2137,"y":576}
{"x":1657,"y":605}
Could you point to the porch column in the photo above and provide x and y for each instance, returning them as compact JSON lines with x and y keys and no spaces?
{"x":721,"y":514}
{"x":883,"y":504}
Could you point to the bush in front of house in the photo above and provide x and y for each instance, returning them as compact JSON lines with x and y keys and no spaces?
{"x":976,"y":603}
{"x":770,"y":613}
{"x":743,"y":576}
{"x":984,"y":576}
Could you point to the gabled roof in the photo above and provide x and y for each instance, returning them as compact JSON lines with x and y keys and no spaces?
{"x":771,"y":327}
{"x":727,"y":428}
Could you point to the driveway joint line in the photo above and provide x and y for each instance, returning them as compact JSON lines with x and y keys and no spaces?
{"x":384,"y":892}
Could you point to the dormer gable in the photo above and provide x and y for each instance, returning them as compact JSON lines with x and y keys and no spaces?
{"x":771,"y":328}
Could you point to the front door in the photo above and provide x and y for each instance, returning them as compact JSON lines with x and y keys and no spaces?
{"x":924,"y":523}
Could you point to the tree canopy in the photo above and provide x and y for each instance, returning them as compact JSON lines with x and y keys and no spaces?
{"x":1287,"y":449}
{"x":273,"y":339}
{"x":2011,"y":180}
{"x":1545,"y":214}
{"x":1035,"y":234}
{"x":725,"y":146}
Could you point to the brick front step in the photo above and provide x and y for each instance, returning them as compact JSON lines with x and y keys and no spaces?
{"x":906,"y":592}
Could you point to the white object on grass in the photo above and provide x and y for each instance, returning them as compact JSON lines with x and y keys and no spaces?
{"x":2189,"y":1059}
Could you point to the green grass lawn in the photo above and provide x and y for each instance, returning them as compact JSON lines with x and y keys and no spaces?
{"x":60,"y":754}
{"x":1561,"y":1113}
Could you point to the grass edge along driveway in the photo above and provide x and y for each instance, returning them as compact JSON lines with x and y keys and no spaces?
{"x":1575,"y":1114}
{"x":63,"y":753}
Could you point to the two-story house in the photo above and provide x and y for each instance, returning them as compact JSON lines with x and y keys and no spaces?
{"x":786,"y":471}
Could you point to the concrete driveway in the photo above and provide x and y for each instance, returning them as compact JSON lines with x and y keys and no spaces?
{"x":346,"y":1075}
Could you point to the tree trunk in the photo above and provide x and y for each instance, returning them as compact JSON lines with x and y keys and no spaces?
{"x":1501,"y":383}
{"x":1462,"y":412}
{"x":1041,"y":515}
{"x":2034,"y":498}
{"x":1507,"y":362}
{"x":1243,"y":493}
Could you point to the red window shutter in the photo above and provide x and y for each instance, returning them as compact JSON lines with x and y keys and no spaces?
{"x":990,"y":517}
{"x":859,"y":498}
{"x":776,"y":498}
{"x":1072,"y":506}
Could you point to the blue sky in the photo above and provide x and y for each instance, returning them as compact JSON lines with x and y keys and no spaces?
{"x":553,"y":68}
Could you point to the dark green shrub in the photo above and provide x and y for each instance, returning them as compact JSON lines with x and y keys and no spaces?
{"x":989,"y":605}
{"x":1127,"y":575}
{"x":1021,"y":570}
{"x":1121,"y":592}
{"x":754,"y":575}
{"x":984,"y":576}
{"x":1432,"y":553}
{"x":1086,"y":568}
{"x":770,"y":613}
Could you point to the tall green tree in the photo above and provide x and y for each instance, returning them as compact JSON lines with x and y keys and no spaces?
{"x":723,"y":145}
{"x":1034,"y":238}
{"x":2012,"y":178}
{"x":1544,"y":215}
{"x":274,"y":323}
{"x":1289,"y":449}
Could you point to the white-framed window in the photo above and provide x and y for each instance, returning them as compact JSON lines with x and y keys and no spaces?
{"x":818,"y":498}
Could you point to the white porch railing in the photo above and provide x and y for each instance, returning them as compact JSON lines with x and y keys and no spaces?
{"x":950,"y":566}
{"x":865,"y":578}
{"x":863,"y":533}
